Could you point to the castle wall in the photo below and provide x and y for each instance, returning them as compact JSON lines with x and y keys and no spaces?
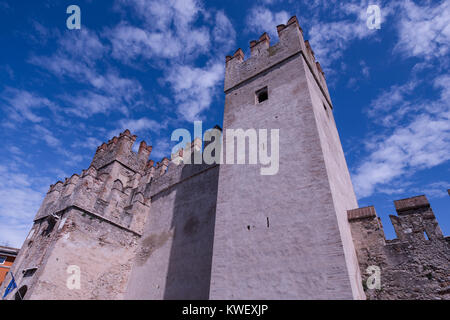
{"x":337,"y":172}
{"x":175,"y":252}
{"x":412,"y":266}
{"x":93,"y":221}
{"x":103,"y":253}
{"x":81,"y":239}
{"x":277,"y":237}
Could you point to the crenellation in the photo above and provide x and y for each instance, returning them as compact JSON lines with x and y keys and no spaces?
{"x":257,"y":47}
{"x":239,"y":70}
{"x":120,"y":149}
{"x":415,"y":265}
{"x":362,"y":213}
{"x":410,"y":205}
{"x":310,"y":52}
{"x":264,"y":57}
{"x":144,"y":152}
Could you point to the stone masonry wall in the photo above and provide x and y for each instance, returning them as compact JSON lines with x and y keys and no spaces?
{"x":415,"y":265}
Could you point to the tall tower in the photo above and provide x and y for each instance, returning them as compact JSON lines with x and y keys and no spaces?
{"x":284,"y":236}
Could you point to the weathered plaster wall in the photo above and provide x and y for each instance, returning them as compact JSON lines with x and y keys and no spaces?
{"x":103,"y":253}
{"x":175,"y":252}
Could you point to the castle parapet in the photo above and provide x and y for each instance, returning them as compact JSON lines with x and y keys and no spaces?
{"x":415,"y":220}
{"x":264,"y":56}
{"x":120,"y":149}
{"x":411,"y":205}
{"x":362,"y":213}
{"x":418,"y":257}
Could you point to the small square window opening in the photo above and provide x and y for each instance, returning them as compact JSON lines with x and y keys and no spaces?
{"x":262,"y":95}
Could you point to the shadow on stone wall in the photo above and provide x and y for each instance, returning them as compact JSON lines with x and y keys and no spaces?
{"x":189,"y":271}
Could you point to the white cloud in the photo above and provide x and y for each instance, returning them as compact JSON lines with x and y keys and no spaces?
{"x":168,"y":31}
{"x":223,"y":34}
{"x":22,"y":105}
{"x":140,"y":125}
{"x":47,"y":136}
{"x":20,"y":198}
{"x":392,"y":105}
{"x":80,"y":58}
{"x":329,"y":40}
{"x":83,"y":44}
{"x":106,"y":92}
{"x":194,"y":88}
{"x":421,"y":143}
{"x":88,"y":143}
{"x":131,"y":42}
{"x":261,"y":19}
{"x":172,"y":34}
{"x":424,"y":31}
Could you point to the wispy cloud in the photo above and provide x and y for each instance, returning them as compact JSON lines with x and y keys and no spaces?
{"x":20,"y":198}
{"x":79,"y":58}
{"x":141,"y":125}
{"x":167,"y":30}
{"x":261,"y":19}
{"x":329,"y":40}
{"x":420,"y":143}
{"x":194,"y":88}
{"x":22,"y":105}
{"x":424,"y":31}
{"x":179,"y":32}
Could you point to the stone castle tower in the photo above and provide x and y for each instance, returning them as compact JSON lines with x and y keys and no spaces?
{"x":135,"y":230}
{"x":298,"y":244}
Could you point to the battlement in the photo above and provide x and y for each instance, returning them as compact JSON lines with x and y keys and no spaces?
{"x":361,"y":213}
{"x":410,"y":205}
{"x":109,"y":187}
{"x":264,"y":56}
{"x":419,"y":254}
{"x":415,"y":219}
{"x":108,"y":190}
{"x":120,"y":149}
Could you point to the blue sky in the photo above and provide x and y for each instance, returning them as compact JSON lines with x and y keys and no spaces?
{"x":153,"y":66}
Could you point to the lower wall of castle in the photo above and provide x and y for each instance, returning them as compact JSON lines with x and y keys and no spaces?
{"x":416,"y":269}
{"x":175,"y":253}
{"x":100,"y":251}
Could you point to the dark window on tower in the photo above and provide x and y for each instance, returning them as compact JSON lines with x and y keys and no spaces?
{"x":262,"y":95}
{"x":51,"y":221}
{"x":29,"y":272}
